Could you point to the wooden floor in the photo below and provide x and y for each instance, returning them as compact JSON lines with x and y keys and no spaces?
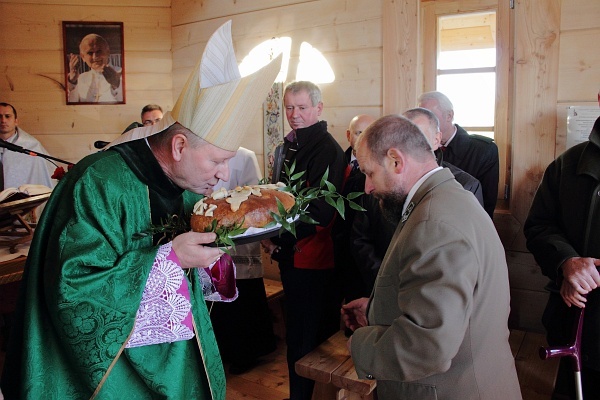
{"x":536,"y":376}
{"x":269,"y":379}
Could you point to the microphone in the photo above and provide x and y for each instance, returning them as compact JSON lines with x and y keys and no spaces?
{"x":19,"y":149}
{"x":99,"y":144}
{"x":13,"y":147}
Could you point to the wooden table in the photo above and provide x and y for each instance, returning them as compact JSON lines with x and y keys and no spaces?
{"x":11,"y":272}
{"x":332,"y":369}
{"x":15,"y":228}
{"x":273,"y":289}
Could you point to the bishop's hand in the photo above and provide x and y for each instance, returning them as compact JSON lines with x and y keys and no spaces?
{"x":191,"y":252}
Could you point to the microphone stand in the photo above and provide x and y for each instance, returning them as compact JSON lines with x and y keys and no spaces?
{"x":21,"y":227}
{"x":20,"y":149}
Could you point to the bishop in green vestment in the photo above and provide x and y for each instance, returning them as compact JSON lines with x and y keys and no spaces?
{"x":83,"y":284}
{"x":84,"y":327}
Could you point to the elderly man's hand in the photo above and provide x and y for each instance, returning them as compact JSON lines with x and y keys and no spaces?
{"x":354,"y":313}
{"x":580,"y":277}
{"x":191,"y":252}
{"x":112,"y":76}
{"x":269,"y":247}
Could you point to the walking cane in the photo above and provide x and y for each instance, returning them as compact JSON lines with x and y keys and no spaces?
{"x":572,"y":350}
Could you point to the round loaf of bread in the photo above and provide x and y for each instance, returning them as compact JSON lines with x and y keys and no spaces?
{"x":249,"y":205}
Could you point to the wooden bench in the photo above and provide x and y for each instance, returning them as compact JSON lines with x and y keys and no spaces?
{"x":332,"y":369}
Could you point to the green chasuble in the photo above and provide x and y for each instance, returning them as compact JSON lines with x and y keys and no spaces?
{"x":82,"y":287}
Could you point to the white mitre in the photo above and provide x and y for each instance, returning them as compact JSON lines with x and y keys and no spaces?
{"x":216,"y":103}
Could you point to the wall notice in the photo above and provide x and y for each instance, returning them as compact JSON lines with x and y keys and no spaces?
{"x":580,"y":120}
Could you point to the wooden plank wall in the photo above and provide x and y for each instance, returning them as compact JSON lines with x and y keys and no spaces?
{"x":401,"y":55}
{"x":579,"y":78}
{"x":556,"y":64}
{"x":347,"y":32}
{"x":32,"y":69}
{"x":537,"y":46}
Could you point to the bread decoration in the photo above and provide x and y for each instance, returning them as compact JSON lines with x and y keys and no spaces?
{"x":250,"y":206}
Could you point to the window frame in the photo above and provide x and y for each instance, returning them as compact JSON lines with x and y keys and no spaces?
{"x":430,"y":11}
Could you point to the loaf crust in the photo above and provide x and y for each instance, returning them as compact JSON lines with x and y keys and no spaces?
{"x":255,"y":211}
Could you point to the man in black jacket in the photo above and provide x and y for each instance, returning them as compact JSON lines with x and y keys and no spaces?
{"x":347,"y":271}
{"x":475,"y":154}
{"x":563,"y":234}
{"x":429,"y":124}
{"x":306,"y":260}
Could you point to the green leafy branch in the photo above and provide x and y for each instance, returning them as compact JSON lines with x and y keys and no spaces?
{"x":225,"y":233}
{"x":171,"y":227}
{"x":296,"y":185}
{"x":174,"y":225}
{"x":264,"y":181}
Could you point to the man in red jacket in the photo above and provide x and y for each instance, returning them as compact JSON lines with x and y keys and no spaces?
{"x":306,"y":260}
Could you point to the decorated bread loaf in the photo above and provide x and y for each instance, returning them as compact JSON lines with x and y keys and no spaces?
{"x":249,"y":205}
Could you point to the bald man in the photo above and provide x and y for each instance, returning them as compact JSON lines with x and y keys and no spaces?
{"x":352,"y":286}
{"x":357,"y":125}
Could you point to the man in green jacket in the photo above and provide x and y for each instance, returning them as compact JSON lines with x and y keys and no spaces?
{"x":107,"y":312}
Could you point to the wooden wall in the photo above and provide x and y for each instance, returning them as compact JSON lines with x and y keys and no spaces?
{"x":556,"y":65}
{"x":347,"y":32}
{"x":32,"y":69}
{"x":371,"y":46}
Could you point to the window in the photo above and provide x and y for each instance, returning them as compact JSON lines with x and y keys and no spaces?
{"x":466,"y":68}
{"x":312,"y":66}
{"x":469,"y":60}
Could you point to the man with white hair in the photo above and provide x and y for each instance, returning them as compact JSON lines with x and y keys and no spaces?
{"x":474,"y":154}
{"x":306,"y":259}
{"x":103,"y":82}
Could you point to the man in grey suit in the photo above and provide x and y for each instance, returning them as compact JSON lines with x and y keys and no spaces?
{"x":371,"y":232}
{"x":435,"y":326}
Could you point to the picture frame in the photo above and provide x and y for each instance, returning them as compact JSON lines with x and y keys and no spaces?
{"x":94,"y":59}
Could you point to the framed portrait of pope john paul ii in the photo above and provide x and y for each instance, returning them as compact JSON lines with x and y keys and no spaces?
{"x":94,"y":62}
